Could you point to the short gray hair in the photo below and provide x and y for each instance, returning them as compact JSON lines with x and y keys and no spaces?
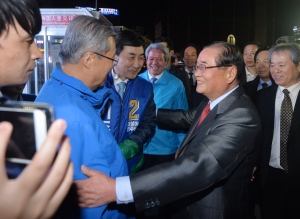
{"x":84,"y":34}
{"x":157,"y":46}
{"x":294,"y":48}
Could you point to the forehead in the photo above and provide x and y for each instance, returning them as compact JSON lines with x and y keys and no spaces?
{"x":208,"y":55}
{"x":155,"y":52}
{"x":133,"y":50}
{"x":281,"y":56}
{"x":14,"y":32}
{"x":190,"y":49}
{"x":250,"y":47}
{"x":262,"y":55}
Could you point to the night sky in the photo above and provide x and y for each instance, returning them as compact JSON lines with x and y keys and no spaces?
{"x":142,"y":13}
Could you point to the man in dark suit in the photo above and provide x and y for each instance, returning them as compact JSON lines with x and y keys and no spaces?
{"x":263,"y":78}
{"x":279,"y":108}
{"x":189,"y":54}
{"x":177,"y":72}
{"x":210,"y":177}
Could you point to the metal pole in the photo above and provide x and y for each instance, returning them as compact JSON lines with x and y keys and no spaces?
{"x":96,"y":4}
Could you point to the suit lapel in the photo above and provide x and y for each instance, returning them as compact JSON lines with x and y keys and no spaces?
{"x":296,"y":117}
{"x":218,"y":109}
{"x":194,"y":123}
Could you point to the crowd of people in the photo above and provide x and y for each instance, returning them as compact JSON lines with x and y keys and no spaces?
{"x":211,"y":140}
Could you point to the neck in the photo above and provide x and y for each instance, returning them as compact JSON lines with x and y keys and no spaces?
{"x":251,"y":69}
{"x":190,"y":69}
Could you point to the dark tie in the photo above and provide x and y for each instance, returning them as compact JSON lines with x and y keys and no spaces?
{"x":153,"y":80}
{"x":121,"y":89}
{"x":191,"y":79}
{"x":204,"y":113}
{"x":286,"y":115}
{"x":264,"y":85}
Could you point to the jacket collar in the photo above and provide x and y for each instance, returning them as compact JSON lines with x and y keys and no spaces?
{"x":97,"y":98}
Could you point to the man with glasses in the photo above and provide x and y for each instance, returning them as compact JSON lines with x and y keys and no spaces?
{"x":211,"y":174}
{"x":130,"y":112}
{"x":77,"y":93}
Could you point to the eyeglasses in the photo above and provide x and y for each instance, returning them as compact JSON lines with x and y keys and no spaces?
{"x":106,"y":57}
{"x":203,"y":68}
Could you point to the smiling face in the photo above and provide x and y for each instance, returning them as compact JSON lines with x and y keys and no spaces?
{"x":156,"y":62}
{"x":18,"y":53}
{"x":248,"y":55}
{"x":190,"y":57}
{"x":262,"y":65}
{"x":213,"y":82}
{"x":130,"y":62}
{"x":284,"y":72}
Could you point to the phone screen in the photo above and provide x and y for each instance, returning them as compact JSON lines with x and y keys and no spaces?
{"x":29,"y":131}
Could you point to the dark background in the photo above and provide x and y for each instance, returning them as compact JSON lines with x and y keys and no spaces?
{"x":201,"y":21}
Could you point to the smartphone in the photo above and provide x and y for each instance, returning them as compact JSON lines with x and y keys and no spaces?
{"x":30,"y":124}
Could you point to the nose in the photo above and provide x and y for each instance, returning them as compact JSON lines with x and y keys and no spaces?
{"x":35,"y":52}
{"x":137,"y":63}
{"x":198,"y":73}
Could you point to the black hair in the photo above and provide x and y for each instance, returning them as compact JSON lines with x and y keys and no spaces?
{"x":252,"y":43}
{"x":190,"y":45}
{"x":162,"y":39}
{"x":266,"y":48}
{"x":25,"y":12}
{"x":229,"y":54}
{"x":128,"y":38}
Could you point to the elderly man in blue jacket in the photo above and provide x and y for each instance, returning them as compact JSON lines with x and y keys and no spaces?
{"x":169,"y":93}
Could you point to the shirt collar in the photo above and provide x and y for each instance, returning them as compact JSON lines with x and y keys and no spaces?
{"x":261,"y":81}
{"x":116,"y":79}
{"x":219,"y":99}
{"x":157,"y":77}
{"x":294,"y":89}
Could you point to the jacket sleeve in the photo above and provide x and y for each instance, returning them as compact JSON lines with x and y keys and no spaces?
{"x":146,"y":128}
{"x":170,"y":119}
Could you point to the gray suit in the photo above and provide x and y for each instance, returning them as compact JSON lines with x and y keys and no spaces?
{"x":211,"y":175}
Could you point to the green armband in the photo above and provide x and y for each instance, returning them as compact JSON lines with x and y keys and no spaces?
{"x":129,"y":148}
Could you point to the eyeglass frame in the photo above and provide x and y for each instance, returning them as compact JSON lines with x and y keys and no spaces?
{"x":208,"y":67}
{"x":116,"y":61}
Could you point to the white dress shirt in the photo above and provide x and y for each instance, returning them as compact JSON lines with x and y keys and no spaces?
{"x":123,"y":186}
{"x":249,"y":75}
{"x":194,"y":77}
{"x":275,"y":151}
{"x":117,"y":80}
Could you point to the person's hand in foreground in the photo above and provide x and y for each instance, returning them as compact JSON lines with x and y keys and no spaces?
{"x":41,"y":187}
{"x":97,"y":190}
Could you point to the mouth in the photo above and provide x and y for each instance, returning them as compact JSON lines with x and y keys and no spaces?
{"x":155,"y":68}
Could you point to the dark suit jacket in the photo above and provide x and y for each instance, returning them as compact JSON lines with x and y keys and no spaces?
{"x":250,"y":88}
{"x":266,"y":108}
{"x":182,"y":75}
{"x":211,"y":175}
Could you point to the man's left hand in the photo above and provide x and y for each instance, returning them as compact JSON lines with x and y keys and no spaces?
{"x":97,"y":190}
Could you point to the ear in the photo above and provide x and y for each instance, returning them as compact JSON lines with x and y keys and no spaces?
{"x":88,"y":59}
{"x":231,"y":74}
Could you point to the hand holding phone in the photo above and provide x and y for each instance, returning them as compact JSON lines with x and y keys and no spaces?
{"x":44,"y":182}
{"x":30,"y":124}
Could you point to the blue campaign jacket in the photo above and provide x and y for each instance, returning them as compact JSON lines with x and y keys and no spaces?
{"x":169,"y":93}
{"x":133,"y":117}
{"x":92,"y":143}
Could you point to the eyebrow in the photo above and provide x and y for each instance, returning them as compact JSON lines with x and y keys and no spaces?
{"x":133,"y":54}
